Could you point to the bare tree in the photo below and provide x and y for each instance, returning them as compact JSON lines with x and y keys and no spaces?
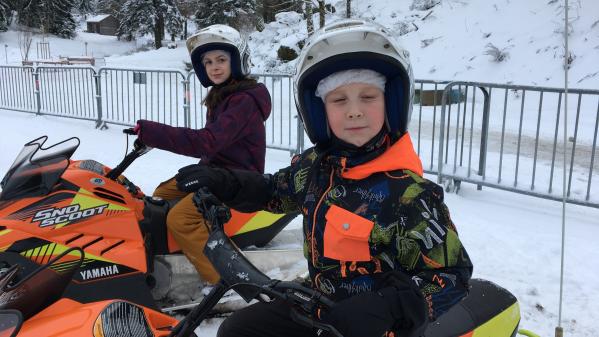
{"x":308,"y":14}
{"x":348,"y":9}
{"x":25,"y":37}
{"x":269,"y":8}
{"x":321,"y":12}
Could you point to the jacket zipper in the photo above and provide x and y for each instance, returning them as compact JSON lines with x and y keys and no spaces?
{"x":312,"y":244}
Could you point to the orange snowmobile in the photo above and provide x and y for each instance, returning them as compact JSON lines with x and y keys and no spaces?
{"x":82,"y":253}
{"x":76,"y":235}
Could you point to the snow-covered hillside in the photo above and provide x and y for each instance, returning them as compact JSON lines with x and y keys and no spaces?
{"x":447,"y":42}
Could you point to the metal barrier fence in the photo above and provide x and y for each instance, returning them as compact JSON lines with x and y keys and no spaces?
{"x":122,"y":96}
{"x":67,"y":92}
{"x":131,"y":94}
{"x":517,"y":143}
{"x":17,"y":88}
{"x":458,"y":129}
{"x":424,"y":132}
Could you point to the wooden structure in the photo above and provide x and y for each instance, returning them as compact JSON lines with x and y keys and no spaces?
{"x":104,"y":24}
{"x":64,"y":61}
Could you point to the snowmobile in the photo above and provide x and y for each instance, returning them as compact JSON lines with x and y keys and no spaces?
{"x":80,"y":251}
{"x":49,"y":204}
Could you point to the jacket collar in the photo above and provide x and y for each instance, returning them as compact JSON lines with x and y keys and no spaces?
{"x":398,"y":156}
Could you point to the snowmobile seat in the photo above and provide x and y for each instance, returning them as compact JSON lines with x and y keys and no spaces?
{"x":488,"y":309}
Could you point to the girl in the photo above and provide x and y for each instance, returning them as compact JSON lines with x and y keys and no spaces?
{"x":233,"y":137}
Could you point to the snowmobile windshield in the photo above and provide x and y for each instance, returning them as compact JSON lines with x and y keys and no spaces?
{"x":10,"y":322}
{"x":37,"y":169}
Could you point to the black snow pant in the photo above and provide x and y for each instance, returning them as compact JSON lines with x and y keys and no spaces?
{"x":263,"y":320}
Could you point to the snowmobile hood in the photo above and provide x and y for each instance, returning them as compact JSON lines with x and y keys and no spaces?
{"x":399,"y":156}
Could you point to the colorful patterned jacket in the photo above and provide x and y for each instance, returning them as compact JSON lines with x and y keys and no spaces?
{"x":234,"y":136}
{"x":369,"y":214}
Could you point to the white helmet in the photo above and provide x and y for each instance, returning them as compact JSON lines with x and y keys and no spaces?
{"x":217,"y":37}
{"x":353,"y":44}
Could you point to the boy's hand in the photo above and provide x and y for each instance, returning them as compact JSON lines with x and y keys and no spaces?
{"x":219,"y":181}
{"x":371,"y":314}
{"x":364,"y":315}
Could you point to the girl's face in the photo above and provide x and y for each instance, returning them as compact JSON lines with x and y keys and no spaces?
{"x":218,"y":66}
{"x":355,"y":112}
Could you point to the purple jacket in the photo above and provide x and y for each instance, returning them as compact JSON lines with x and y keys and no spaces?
{"x":233,"y":137}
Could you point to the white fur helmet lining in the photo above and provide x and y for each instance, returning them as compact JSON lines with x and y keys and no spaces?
{"x":353,"y":44}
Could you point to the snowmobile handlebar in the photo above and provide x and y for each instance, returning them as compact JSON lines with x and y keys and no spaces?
{"x":241,"y":275}
{"x":130,"y":131}
{"x":139,"y":149}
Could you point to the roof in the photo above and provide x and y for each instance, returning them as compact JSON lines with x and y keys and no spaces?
{"x":98,"y":18}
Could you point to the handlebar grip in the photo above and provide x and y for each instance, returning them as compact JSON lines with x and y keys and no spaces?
{"x":129,"y":131}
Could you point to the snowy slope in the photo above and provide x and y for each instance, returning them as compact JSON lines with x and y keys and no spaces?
{"x":456,"y":34}
{"x":530,"y":31}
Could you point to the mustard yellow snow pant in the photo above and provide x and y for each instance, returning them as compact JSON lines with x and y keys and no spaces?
{"x":188,"y":228}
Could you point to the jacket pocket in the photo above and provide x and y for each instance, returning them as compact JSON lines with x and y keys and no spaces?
{"x":346,"y":235}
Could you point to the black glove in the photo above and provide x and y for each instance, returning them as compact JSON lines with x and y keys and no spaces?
{"x":220,"y":182}
{"x":368,"y":314}
{"x":138,"y":144}
{"x":400,"y":308}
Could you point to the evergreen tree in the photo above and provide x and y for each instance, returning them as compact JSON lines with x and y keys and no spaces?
{"x":187,"y":8}
{"x":112,"y":7}
{"x":137,"y":16}
{"x":5,"y":14}
{"x":57,"y":18}
{"x":174,"y":20}
{"x":239,"y":14}
{"x":29,"y":13}
{"x":51,"y":16}
{"x":149,"y":17}
{"x":87,"y":6}
{"x":205,"y":14}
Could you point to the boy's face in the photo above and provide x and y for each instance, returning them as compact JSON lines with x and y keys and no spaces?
{"x":218,"y":66}
{"x":356,"y":112}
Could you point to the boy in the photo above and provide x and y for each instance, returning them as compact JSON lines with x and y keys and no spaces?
{"x":378,"y":237}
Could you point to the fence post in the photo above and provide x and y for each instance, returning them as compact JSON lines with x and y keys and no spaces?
{"x":299,"y":148}
{"x":186,"y":101}
{"x":482,"y":164}
{"x":442,"y":132}
{"x":97,"y":80}
{"x":38,"y":100}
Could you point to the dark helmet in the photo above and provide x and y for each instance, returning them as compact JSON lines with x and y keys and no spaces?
{"x":353,"y":44}
{"x":217,"y":37}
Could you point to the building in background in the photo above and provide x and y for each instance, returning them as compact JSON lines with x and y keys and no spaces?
{"x":104,"y":24}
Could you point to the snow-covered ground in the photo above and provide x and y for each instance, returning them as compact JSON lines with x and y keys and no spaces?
{"x":513,"y":240}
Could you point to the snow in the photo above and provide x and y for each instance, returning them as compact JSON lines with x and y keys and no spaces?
{"x":513,"y":240}
{"x":457,"y":33}
{"x":98,"y":18}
